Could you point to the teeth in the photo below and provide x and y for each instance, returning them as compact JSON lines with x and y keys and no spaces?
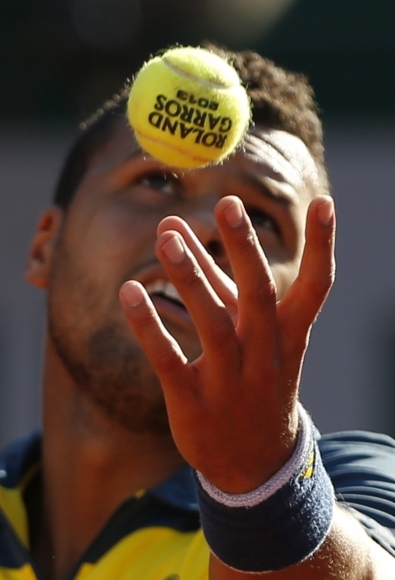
{"x":165,"y":288}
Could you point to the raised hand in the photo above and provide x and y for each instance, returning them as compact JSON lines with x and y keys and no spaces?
{"x":233,"y":410}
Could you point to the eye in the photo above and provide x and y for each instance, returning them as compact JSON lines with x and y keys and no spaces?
{"x":159,"y":180}
{"x":261,"y":219}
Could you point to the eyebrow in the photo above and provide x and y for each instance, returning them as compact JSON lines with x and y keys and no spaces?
{"x":127,"y":159}
{"x":133,"y":154}
{"x":256,"y":182}
{"x":268,"y":190}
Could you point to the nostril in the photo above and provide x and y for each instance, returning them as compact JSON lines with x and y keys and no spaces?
{"x":215,"y":248}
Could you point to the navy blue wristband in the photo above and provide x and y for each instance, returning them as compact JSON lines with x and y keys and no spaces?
{"x":283,"y":530}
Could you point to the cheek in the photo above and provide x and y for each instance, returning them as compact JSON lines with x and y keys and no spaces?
{"x":286,"y":270}
{"x":115,"y":234}
{"x":284,"y":275}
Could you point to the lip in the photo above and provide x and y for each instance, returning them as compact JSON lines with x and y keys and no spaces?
{"x":166,"y":308}
{"x":171,"y":312}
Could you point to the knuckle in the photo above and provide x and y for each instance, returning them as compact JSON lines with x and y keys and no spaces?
{"x":246,"y":243}
{"x":165,"y":359}
{"x":261,"y":293}
{"x":321,"y":287}
{"x":146,"y":319}
{"x":188,"y":278}
{"x":192,"y":278}
{"x":296,"y":339}
{"x":221,"y":329}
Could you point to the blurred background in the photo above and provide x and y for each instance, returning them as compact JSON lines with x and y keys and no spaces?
{"x":61,"y":58}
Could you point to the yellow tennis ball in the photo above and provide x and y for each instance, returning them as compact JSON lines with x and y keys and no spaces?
{"x":188,"y":108}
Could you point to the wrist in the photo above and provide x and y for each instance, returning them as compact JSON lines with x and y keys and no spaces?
{"x":281,"y":523}
{"x":299,"y":458}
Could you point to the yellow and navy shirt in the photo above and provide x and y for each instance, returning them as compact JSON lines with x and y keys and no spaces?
{"x":157,"y":535}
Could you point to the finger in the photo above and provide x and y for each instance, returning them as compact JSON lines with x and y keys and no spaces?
{"x":221,"y":283}
{"x":301,"y":305}
{"x":256,"y":286}
{"x":178,"y":379}
{"x":161,"y":349}
{"x":213,"y":323}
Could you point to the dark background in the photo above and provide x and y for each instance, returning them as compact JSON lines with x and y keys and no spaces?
{"x":61,"y":58}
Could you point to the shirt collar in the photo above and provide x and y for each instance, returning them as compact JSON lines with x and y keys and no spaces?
{"x":178,"y":490}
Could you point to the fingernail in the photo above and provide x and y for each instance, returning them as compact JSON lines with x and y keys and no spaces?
{"x":234,"y":214}
{"x":132,"y":293}
{"x":174,"y":250}
{"x":325,"y":211}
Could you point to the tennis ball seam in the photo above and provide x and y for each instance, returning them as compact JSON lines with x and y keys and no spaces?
{"x":202,"y":81}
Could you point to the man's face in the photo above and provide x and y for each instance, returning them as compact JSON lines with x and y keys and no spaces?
{"x":108,"y":237}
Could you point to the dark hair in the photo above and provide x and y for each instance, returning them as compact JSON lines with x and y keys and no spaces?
{"x":280,"y":99}
{"x":94,"y":134}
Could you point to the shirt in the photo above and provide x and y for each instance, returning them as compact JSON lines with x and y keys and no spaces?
{"x":157,"y":536}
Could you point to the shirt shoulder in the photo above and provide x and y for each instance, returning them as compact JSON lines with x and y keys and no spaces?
{"x":361,"y":465}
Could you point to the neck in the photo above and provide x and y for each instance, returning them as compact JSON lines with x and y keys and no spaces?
{"x":90,"y":467}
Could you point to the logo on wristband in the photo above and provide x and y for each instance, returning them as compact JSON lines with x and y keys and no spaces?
{"x":308,"y":471}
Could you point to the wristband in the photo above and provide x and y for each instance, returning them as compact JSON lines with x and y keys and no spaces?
{"x":281,"y":523}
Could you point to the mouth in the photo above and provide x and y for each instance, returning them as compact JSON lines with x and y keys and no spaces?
{"x":166,"y":290}
{"x":168,"y":302}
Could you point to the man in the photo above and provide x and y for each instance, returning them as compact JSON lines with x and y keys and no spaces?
{"x":106,"y":492}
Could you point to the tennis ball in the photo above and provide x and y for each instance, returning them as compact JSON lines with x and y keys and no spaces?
{"x":188,"y":107}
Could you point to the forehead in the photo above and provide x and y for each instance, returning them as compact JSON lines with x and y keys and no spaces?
{"x":278,"y":155}
{"x":286,"y":153}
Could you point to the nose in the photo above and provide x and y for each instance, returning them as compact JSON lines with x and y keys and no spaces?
{"x":202,"y":222}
